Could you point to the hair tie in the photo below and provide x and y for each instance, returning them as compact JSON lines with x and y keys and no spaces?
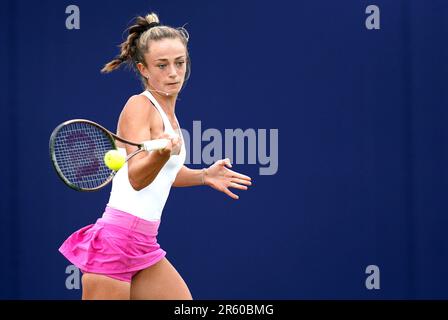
{"x":152,"y":25}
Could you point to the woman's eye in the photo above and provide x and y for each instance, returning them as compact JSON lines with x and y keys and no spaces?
{"x":161,"y":66}
{"x":180,"y":63}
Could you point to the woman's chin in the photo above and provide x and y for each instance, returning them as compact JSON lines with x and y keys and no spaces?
{"x":172,"y":92}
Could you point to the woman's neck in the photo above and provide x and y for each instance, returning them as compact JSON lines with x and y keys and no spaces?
{"x":168,"y":103}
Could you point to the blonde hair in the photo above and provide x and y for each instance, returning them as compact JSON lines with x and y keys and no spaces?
{"x":143,"y":30}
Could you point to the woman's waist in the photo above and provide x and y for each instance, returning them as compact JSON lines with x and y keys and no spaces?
{"x":129,"y":221}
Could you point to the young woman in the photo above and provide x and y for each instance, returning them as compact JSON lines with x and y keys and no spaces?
{"x":119,"y":254}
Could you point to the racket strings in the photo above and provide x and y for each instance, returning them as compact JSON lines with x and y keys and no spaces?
{"x":79,"y":149}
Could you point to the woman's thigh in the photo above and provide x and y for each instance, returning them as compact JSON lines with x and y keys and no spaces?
{"x":100,"y":287}
{"x":160,"y":281}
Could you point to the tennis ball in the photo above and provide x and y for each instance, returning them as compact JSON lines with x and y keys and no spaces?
{"x":114,"y":160}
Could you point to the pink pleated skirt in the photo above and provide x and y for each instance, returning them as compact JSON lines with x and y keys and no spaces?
{"x":118,"y":245}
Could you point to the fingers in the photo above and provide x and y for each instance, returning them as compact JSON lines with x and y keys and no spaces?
{"x":177,"y":144}
{"x":237,"y":186}
{"x":226,"y":162}
{"x":175,"y":139}
{"x":232,"y":179}
{"x":241,"y":181}
{"x":240,"y":176}
{"x":165,"y":136}
{"x":174,"y":144}
{"x":230,"y":194}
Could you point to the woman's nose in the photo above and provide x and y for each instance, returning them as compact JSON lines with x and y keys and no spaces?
{"x":172,"y":72}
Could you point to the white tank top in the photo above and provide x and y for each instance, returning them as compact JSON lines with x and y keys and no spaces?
{"x":147,"y":203}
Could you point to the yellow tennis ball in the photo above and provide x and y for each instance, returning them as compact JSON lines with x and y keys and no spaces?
{"x":114,"y":160}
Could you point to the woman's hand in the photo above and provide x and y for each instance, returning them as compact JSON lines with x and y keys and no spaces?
{"x":173,"y":146}
{"x":221,"y":178}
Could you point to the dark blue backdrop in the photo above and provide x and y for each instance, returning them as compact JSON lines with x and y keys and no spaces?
{"x":361,"y":116}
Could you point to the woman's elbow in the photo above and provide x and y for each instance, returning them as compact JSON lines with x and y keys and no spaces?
{"x":138,"y":184}
{"x":135,"y":184}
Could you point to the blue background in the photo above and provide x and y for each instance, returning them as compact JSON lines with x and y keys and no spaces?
{"x":361,"y":116}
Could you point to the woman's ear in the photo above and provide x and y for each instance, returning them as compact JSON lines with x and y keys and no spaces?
{"x":142,"y":69}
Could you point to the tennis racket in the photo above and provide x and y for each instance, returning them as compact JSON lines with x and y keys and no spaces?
{"x":77,"y":149}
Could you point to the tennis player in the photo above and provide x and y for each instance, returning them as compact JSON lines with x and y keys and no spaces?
{"x":119,"y":254}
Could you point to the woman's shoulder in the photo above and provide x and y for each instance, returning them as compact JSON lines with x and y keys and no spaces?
{"x":138,"y":104}
{"x":137,"y":99}
{"x":137,"y":108}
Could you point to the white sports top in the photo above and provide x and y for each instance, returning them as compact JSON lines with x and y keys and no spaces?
{"x":147,"y":203}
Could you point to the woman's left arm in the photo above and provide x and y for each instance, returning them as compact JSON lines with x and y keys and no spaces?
{"x":187,"y":177}
{"x":217,"y":176}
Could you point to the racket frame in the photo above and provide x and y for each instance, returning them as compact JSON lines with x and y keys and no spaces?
{"x":111,"y":136}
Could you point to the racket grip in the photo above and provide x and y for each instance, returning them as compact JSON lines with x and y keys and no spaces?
{"x":156,"y":144}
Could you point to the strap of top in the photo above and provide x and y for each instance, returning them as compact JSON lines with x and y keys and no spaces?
{"x":166,"y":122}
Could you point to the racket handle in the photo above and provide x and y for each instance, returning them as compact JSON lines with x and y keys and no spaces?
{"x":156,"y":144}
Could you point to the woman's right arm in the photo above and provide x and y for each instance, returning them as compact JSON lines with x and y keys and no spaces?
{"x":134,"y":125}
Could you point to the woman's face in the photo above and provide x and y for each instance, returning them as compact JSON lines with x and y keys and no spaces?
{"x":166,"y":63}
